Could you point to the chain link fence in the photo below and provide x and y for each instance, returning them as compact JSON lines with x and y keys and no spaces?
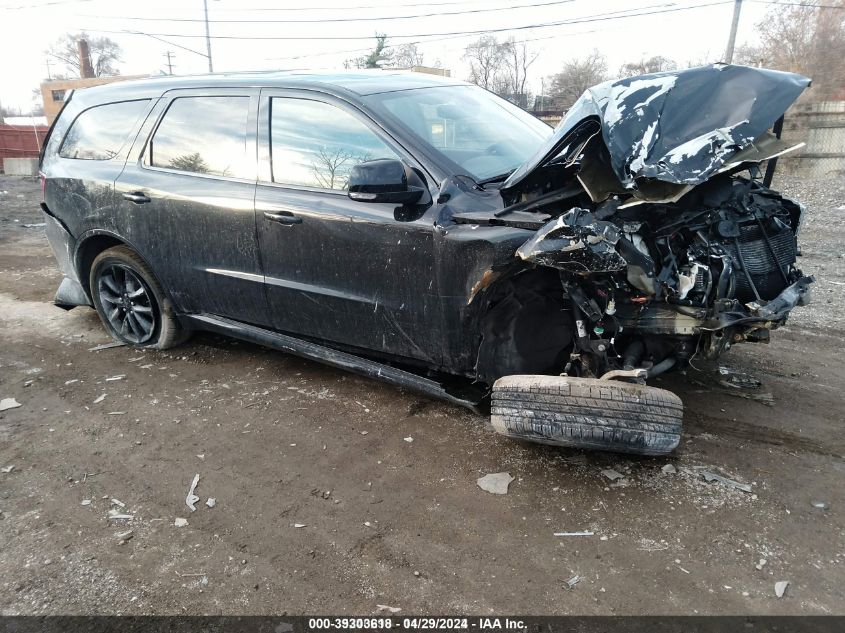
{"x":821,"y":126}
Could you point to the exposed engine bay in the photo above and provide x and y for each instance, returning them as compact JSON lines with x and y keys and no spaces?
{"x":651,"y":286}
{"x":666,"y":241}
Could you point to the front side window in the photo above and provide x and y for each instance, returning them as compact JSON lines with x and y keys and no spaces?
{"x":100,"y":132}
{"x":203,"y":135}
{"x":315,"y":144}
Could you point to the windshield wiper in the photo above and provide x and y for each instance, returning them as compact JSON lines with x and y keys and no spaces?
{"x":497,"y":178}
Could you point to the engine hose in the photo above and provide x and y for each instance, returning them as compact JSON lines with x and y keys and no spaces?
{"x":633,"y":353}
{"x":663,"y":366}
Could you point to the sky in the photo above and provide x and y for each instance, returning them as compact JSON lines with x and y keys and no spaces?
{"x":322,"y":34}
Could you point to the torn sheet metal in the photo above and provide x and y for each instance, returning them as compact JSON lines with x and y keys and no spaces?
{"x":577,"y":242}
{"x":678,"y":127}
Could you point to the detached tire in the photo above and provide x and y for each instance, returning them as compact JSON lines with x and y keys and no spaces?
{"x":131,"y":302}
{"x":587,"y":413}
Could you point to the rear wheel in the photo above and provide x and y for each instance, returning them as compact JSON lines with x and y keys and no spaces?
{"x":587,"y":413}
{"x":130,"y":301}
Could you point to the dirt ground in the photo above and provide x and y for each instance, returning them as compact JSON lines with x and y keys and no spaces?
{"x":324,"y":504}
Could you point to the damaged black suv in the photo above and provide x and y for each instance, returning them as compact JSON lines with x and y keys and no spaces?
{"x":426,"y":232}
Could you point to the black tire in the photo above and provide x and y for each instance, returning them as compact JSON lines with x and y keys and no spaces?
{"x":587,"y":413}
{"x":120,"y":268}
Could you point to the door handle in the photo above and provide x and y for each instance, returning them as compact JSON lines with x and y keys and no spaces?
{"x":283,"y":217}
{"x":137,"y":197}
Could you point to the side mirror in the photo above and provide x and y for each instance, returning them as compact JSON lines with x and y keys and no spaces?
{"x":382,"y":180}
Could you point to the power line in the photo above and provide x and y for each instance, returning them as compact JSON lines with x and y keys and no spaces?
{"x":583,"y":20}
{"x":324,"y":20}
{"x":348,"y":8}
{"x":184,"y":48}
{"x":440,"y":39}
{"x":43,"y":4}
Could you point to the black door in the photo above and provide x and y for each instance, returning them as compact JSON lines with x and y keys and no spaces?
{"x":342,"y":271}
{"x":188,"y":199}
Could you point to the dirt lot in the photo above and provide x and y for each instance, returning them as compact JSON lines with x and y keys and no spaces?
{"x":280,"y":442}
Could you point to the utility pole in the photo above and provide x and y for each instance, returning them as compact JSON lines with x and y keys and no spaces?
{"x":169,"y":54}
{"x":729,"y":52}
{"x":49,"y":75}
{"x":207,"y":36}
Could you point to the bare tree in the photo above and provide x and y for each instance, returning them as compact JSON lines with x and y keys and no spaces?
{"x":486,"y":61}
{"x":517,"y":58}
{"x":806,"y":39}
{"x":333,"y":166}
{"x":575,"y":77}
{"x":105,"y":54}
{"x":407,"y":56}
{"x":656,"y":64}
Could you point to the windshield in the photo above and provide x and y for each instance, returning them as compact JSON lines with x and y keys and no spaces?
{"x":484,"y":134}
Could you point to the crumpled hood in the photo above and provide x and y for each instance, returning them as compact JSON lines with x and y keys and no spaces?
{"x":678,"y":127}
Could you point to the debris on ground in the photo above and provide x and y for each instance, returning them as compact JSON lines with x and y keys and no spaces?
{"x":115,"y":515}
{"x":669,"y":469}
{"x":821,"y":505}
{"x":299,"y":525}
{"x":118,"y":377}
{"x":9,"y":403}
{"x":211,"y":502}
{"x":573,"y":581}
{"x":7,"y":469}
{"x":760,"y":564}
{"x":584,"y":533}
{"x":611,"y":474}
{"x":100,"y":398}
{"x":764,"y":398}
{"x":384,"y":607}
{"x":192,"y":499}
{"x":118,"y":502}
{"x":179,"y":522}
{"x":734,"y":379}
{"x":780,"y":588}
{"x":86,"y":502}
{"x":710,"y":477}
{"x":106,"y":346}
{"x":495,"y":483}
{"x":409,"y":439}
{"x":123,"y":537}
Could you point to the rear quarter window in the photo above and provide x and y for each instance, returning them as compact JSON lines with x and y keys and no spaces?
{"x":100,"y":132}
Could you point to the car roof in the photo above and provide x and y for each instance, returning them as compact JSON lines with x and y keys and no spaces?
{"x":358,"y":82}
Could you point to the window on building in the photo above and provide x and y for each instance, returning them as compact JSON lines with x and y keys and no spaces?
{"x":100,"y":132}
{"x":316,"y":144}
{"x":58,"y":95}
{"x":204,"y":135}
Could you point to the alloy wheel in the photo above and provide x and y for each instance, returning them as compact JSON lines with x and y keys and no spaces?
{"x":127,"y":303}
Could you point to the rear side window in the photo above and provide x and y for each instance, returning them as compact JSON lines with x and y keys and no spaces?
{"x":314,"y":144}
{"x":203,"y":135}
{"x":100,"y":132}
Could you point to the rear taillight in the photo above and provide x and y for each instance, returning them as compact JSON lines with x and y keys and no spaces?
{"x":43,"y":179}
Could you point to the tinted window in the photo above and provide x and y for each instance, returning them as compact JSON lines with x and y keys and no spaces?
{"x":205,"y":135}
{"x":315,"y":144}
{"x":100,"y":132}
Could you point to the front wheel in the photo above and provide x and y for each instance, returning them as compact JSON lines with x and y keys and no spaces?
{"x":130,"y":301}
{"x":587,"y":413}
